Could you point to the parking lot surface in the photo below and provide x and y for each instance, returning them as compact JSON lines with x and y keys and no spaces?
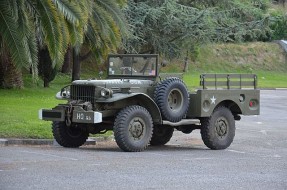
{"x":257,"y":159}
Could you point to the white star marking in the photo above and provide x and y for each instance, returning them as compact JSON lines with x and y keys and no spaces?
{"x":213,"y":99}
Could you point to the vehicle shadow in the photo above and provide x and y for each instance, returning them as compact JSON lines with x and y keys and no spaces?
{"x":112,"y":147}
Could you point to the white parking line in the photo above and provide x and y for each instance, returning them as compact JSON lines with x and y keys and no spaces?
{"x":256,"y":154}
{"x":99,"y":164}
{"x":192,"y":159}
{"x":249,"y":130}
{"x":158,"y":154}
{"x":51,"y":155}
{"x":277,"y":156}
{"x":270,"y":156}
{"x":236,"y":151}
{"x":263,"y":132}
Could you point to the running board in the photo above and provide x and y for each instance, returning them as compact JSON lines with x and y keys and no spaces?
{"x":182,"y":122}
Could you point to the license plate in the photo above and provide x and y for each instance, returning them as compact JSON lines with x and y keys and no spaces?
{"x":87,"y":117}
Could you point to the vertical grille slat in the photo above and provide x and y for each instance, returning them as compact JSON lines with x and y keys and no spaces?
{"x":81,"y":94}
{"x":84,"y":93}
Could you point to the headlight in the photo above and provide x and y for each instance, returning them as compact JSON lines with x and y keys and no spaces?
{"x":64,"y":93}
{"x":106,"y":93}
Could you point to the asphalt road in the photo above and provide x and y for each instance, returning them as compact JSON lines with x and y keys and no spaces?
{"x":257,"y":159}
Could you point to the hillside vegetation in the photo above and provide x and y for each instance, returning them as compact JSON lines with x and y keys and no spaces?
{"x":267,"y":60}
{"x":245,"y":57}
{"x":242,"y":57}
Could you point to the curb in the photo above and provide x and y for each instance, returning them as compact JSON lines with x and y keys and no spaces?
{"x":266,"y":89}
{"x":272,"y":88}
{"x":49,"y":142}
{"x":29,"y":142}
{"x":3,"y":142}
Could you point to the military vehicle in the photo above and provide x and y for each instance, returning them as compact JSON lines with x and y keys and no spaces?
{"x":143,"y":107}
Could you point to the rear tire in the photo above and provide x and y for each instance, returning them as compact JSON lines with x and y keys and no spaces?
{"x":218,"y":130}
{"x":172,"y":98}
{"x":72,"y":137}
{"x":133,"y":128}
{"x":161,"y":135}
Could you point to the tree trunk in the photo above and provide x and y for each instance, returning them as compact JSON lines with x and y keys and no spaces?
{"x":46,"y":71}
{"x":2,"y":72}
{"x":76,"y":66}
{"x":84,"y":57}
{"x":10,"y":75}
{"x":46,"y":83}
{"x":185,"y":63}
{"x":66,"y":68}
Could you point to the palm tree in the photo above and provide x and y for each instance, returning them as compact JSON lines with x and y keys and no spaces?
{"x":25,"y":24}
{"x":103,"y":32}
{"x":53,"y":25}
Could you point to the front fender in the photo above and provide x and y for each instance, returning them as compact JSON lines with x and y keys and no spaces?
{"x":116,"y":97}
{"x":140,"y":99}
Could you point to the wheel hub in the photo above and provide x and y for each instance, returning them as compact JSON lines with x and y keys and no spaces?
{"x":136,"y":128}
{"x":175,"y":100}
{"x":221,"y":127}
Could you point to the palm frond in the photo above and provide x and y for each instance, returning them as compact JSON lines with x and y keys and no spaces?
{"x":52,"y":30}
{"x":100,"y":17}
{"x":32,"y":51}
{"x":27,"y":28}
{"x":113,"y":8}
{"x":77,"y":32}
{"x":66,"y":36}
{"x":11,"y":36}
{"x":70,"y":10}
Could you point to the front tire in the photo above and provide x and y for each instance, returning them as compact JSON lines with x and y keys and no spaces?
{"x":218,"y":131}
{"x":72,"y":136}
{"x":161,"y":135}
{"x":133,"y":128}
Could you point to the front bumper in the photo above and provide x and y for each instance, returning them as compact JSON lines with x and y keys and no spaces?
{"x":79,"y":115}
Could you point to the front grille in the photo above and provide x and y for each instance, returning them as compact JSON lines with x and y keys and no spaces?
{"x":84,"y":93}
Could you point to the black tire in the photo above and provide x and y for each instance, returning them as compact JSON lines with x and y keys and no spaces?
{"x":161,"y":135}
{"x":218,"y":131}
{"x":172,"y":98}
{"x":133,"y":128}
{"x":71,"y":137}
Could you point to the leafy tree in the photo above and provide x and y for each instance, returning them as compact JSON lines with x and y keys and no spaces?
{"x":166,"y":26}
{"x":169,"y":27}
{"x":283,"y":2}
{"x":279,"y":22}
{"x":242,"y":20}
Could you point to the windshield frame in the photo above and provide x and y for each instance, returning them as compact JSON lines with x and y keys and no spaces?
{"x":131,"y":76}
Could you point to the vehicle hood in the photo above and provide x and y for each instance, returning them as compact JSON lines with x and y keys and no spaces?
{"x":115,"y":83}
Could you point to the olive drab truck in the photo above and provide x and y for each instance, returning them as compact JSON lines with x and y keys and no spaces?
{"x":143,"y":107}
